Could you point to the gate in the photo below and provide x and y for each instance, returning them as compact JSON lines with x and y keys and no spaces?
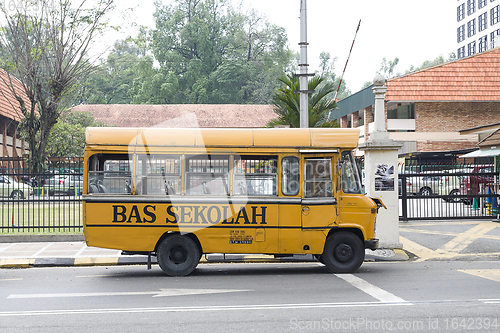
{"x":442,"y":192}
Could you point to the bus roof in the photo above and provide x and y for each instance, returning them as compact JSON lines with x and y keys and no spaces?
{"x":308,"y":138}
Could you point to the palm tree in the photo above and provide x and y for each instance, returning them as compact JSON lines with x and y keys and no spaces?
{"x":286,"y":103}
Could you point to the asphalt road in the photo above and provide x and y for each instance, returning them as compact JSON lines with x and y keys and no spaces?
{"x":412,"y":296}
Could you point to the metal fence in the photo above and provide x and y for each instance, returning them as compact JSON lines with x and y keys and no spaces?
{"x":46,"y":202}
{"x":51,"y":202}
{"x":439,"y":192}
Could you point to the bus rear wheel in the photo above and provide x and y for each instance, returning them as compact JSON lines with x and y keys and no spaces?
{"x":344,"y":252}
{"x":178,"y":255}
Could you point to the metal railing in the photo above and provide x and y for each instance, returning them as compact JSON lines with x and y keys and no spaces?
{"x":48,"y":202}
{"x":466,"y":191}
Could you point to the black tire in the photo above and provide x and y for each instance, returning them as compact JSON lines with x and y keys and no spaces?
{"x":17,"y":195}
{"x":344,"y":252}
{"x":453,"y":193}
{"x":178,"y":255}
{"x":426,"y":191}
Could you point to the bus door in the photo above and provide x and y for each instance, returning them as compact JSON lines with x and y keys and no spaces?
{"x":319,"y":202}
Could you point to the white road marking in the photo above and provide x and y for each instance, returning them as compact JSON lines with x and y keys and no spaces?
{"x":160,"y":293}
{"x":200,"y":308}
{"x":370,"y":289}
{"x":81,"y":250}
{"x":43,"y":249}
{"x":6,"y":247}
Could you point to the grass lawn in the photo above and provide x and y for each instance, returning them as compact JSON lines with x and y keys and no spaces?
{"x":39,"y":217}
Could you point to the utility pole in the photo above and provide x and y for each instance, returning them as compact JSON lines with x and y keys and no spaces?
{"x":303,"y":76}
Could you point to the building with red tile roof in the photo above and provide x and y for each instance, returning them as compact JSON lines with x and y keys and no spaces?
{"x":427,"y":109}
{"x":10,"y":116}
{"x":180,"y":115}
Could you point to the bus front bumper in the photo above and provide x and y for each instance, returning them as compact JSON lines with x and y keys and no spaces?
{"x":371,"y":244}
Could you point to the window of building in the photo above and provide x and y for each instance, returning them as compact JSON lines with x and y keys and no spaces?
{"x":471,"y":28}
{"x":461,"y":52}
{"x":494,"y":15}
{"x":482,"y":22}
{"x":483,"y":44}
{"x":471,"y":48}
{"x":318,"y":177}
{"x":255,"y":175}
{"x":361,"y":115}
{"x":461,"y":12}
{"x":461,"y":33}
{"x":401,"y":111}
{"x":481,"y":3}
{"x":493,"y":40}
{"x":471,"y":6}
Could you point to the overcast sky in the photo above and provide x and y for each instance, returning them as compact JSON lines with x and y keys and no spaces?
{"x":413,"y":31}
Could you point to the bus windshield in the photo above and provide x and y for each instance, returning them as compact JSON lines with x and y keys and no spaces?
{"x":350,"y":176}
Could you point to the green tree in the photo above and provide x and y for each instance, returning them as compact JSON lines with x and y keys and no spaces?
{"x":327,"y":71}
{"x":113,"y":82}
{"x":430,"y":63}
{"x":209,"y":53}
{"x":387,"y":67}
{"x":46,"y":51}
{"x":67,"y":137}
{"x":286,"y":103}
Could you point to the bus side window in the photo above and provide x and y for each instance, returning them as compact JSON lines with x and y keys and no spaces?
{"x":290,"y":175}
{"x":158,"y":174}
{"x":207,"y":175}
{"x":255,"y":175}
{"x":318,"y":177}
{"x":109,"y":173}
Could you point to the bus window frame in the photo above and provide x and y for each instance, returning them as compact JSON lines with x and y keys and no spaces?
{"x":325,"y":157}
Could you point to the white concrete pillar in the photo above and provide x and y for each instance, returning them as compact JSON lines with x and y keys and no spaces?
{"x":381,"y":171}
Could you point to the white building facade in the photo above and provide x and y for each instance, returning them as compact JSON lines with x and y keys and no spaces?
{"x":478,"y":26}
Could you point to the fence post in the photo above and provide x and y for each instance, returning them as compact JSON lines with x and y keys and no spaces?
{"x":404,"y":198}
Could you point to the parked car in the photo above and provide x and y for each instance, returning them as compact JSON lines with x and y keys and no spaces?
{"x":13,"y":189}
{"x":450,"y":185}
{"x":471,"y":184}
{"x":427,"y":184}
{"x":64,"y":184}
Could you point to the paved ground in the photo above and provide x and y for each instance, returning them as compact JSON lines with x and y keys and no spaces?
{"x":422,"y":240}
{"x":451,"y":240}
{"x":76,"y":253}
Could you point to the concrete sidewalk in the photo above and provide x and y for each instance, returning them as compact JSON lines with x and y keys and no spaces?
{"x":77,"y":253}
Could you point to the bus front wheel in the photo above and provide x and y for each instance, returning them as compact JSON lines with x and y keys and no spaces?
{"x":178,"y":255}
{"x":344,"y":252}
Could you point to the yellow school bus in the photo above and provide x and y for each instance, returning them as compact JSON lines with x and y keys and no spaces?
{"x":179,"y":193}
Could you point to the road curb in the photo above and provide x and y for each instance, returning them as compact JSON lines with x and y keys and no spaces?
{"x":41,"y":238}
{"x":378,"y":255}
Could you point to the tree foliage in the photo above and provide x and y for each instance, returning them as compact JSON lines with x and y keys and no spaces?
{"x":387,"y":67}
{"x":286,"y":103}
{"x":67,"y":137}
{"x":327,"y":71}
{"x":430,"y":63}
{"x":46,"y":50}
{"x":113,"y":81}
{"x":210,"y":53}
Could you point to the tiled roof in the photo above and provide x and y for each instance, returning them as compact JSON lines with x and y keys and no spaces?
{"x":181,"y":115}
{"x":491,"y":140}
{"x":476,"y":78}
{"x":9,"y":106}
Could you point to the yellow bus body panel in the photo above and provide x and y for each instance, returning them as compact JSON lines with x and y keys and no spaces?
{"x":271,"y":225}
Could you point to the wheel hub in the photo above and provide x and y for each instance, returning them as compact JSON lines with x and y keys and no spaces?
{"x":178,"y":255}
{"x":344,"y":252}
